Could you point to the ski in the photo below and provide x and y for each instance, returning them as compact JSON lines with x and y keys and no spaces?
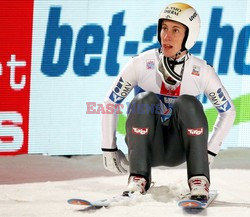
{"x":96,"y":204}
{"x":124,"y":198}
{"x":187,"y":203}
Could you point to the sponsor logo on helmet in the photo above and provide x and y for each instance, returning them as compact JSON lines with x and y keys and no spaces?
{"x":193,"y":16}
{"x":150,"y":64}
{"x":172,"y":10}
{"x":139,"y":131}
{"x":194,"y":131}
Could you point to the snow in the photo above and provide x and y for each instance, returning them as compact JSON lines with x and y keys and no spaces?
{"x":45,"y":199}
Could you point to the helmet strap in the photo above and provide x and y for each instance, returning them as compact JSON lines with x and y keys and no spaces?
{"x":183,"y":47}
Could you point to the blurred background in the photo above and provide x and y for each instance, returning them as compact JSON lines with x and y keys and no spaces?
{"x":59,"y":58}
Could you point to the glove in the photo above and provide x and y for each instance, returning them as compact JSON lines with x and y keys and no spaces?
{"x":115,"y":161}
{"x":211,"y":157}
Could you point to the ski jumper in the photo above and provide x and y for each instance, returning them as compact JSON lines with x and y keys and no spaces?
{"x":166,"y":125}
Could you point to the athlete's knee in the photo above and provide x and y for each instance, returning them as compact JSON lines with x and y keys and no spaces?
{"x":146,"y":98}
{"x":189,"y":104}
{"x":190,"y":111}
{"x":145,"y":103}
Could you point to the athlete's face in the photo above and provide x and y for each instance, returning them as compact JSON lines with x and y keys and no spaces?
{"x":172,"y":35}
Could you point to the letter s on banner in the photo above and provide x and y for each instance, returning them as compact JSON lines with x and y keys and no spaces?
{"x":11,"y":134}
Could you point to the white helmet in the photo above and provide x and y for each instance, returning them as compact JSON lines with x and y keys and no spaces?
{"x":186,"y":15}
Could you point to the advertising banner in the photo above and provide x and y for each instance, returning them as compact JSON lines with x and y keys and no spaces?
{"x":59,"y":58}
{"x":16,"y":22}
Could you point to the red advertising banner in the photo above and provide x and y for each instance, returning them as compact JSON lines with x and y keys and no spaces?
{"x":16,"y":18}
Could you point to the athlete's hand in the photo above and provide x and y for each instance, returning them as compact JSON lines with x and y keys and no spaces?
{"x":115,"y":161}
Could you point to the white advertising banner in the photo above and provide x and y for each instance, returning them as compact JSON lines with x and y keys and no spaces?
{"x":77,"y":48}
